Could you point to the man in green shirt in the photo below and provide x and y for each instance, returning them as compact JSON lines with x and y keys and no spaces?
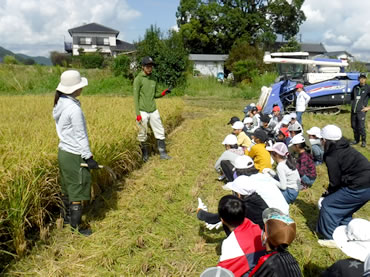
{"x":145,"y":91}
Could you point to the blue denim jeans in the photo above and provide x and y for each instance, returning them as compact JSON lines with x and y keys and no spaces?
{"x":290,"y":195}
{"x":305,"y":180}
{"x":299,"y":117}
{"x":337,"y":209}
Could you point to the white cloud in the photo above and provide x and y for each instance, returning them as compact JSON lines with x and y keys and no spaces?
{"x":41,"y":24}
{"x":341,"y":25}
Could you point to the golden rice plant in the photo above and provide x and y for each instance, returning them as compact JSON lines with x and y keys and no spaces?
{"x":28,"y":155}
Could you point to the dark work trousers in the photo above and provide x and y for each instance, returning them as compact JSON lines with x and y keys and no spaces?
{"x":228,"y":170}
{"x":358,"y":125}
{"x":337,"y":209}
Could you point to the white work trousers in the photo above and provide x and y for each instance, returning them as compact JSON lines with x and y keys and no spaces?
{"x":155,"y":123}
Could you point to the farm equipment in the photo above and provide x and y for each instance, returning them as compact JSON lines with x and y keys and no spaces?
{"x":324,"y":80}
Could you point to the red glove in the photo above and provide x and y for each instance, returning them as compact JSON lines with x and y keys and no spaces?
{"x":138,"y":118}
{"x":166,"y":91}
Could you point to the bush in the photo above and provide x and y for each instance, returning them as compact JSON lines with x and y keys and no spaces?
{"x":121,"y":66}
{"x":92,"y":60}
{"x":61,"y":59}
{"x":10,"y":60}
{"x":246,"y":61}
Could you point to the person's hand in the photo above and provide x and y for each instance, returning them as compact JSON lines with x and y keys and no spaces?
{"x":91,"y":163}
{"x":213,"y":226}
{"x":201,"y":205}
{"x":138,"y":118}
{"x":269,"y":171}
{"x":365,"y":109}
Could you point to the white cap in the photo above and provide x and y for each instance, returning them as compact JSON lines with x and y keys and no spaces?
{"x":354,"y":239}
{"x":279,"y":148}
{"x":315,"y":131}
{"x":247,"y":120}
{"x":252,"y":104}
{"x":230,"y":140}
{"x":298,"y":139}
{"x":239,"y":186}
{"x":243,"y":162}
{"x":70,"y":81}
{"x":295,"y":127}
{"x":331,"y":132}
{"x":293,"y":115}
{"x":238,"y":125}
{"x":286,"y":119}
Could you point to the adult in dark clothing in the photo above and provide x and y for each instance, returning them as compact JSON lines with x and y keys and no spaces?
{"x":360,"y":97}
{"x":349,"y":181}
{"x":279,"y":232}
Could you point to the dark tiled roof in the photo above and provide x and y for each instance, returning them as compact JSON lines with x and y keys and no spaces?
{"x":93,"y":28}
{"x":338,"y":53}
{"x":313,"y":47}
{"x":124,"y":46}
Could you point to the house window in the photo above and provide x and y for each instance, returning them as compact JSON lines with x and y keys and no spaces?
{"x":85,"y":41}
{"x":102,"y":41}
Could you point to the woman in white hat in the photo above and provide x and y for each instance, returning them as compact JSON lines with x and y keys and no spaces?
{"x":349,"y":181}
{"x":73,"y":147}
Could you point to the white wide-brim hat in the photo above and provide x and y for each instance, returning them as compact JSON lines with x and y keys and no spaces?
{"x":354,"y":239}
{"x":70,"y":81}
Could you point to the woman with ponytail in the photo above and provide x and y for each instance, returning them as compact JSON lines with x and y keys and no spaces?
{"x":286,"y":171}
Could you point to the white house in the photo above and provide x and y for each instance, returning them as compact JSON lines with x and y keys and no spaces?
{"x":92,"y":37}
{"x":341,"y":55}
{"x":208,"y":65}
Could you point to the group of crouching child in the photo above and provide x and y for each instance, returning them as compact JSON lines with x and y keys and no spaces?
{"x":255,"y":217}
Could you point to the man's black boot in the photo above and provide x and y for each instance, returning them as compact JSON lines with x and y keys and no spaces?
{"x":64,"y":211}
{"x":357,"y":139}
{"x":76,"y":215}
{"x":162,"y":150}
{"x":363,"y":144}
{"x":145,"y":151}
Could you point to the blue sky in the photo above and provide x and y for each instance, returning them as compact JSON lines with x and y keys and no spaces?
{"x":36,"y":27}
{"x":161,"y":13}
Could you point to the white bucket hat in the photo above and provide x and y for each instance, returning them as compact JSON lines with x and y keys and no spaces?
{"x":298,"y":139}
{"x":331,"y":132}
{"x":243,"y":162}
{"x":230,"y":140}
{"x":238,"y":125}
{"x":70,"y":81}
{"x":293,"y":115}
{"x":286,"y":119}
{"x":354,"y":239}
{"x":295,"y":127}
{"x":314,"y":131}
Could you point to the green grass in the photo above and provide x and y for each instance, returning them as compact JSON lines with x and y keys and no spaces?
{"x":30,"y":80}
{"x":147,"y":226}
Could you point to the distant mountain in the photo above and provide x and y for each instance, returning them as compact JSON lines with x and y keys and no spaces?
{"x":22,"y":58}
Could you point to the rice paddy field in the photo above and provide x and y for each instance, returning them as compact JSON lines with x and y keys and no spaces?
{"x":145,"y":224}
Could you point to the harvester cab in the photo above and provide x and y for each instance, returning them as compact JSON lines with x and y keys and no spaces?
{"x":324,"y":79}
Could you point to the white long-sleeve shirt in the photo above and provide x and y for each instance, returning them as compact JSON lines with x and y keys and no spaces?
{"x":287,"y":178}
{"x":302,"y":101}
{"x":71,"y":127}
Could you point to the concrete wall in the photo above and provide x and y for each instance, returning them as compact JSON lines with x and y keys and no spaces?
{"x":209,"y":68}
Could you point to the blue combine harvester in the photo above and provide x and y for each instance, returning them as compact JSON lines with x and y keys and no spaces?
{"x":325,"y":80}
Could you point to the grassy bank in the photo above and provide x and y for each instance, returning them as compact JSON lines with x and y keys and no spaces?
{"x":28,"y":153}
{"x":149,"y":226}
{"x":31,"y":80}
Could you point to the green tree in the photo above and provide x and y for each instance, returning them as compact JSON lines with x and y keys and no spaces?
{"x":212,"y":26}
{"x":168,"y":53}
{"x":10,"y":60}
{"x":291,"y":46}
{"x":356,"y":66}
